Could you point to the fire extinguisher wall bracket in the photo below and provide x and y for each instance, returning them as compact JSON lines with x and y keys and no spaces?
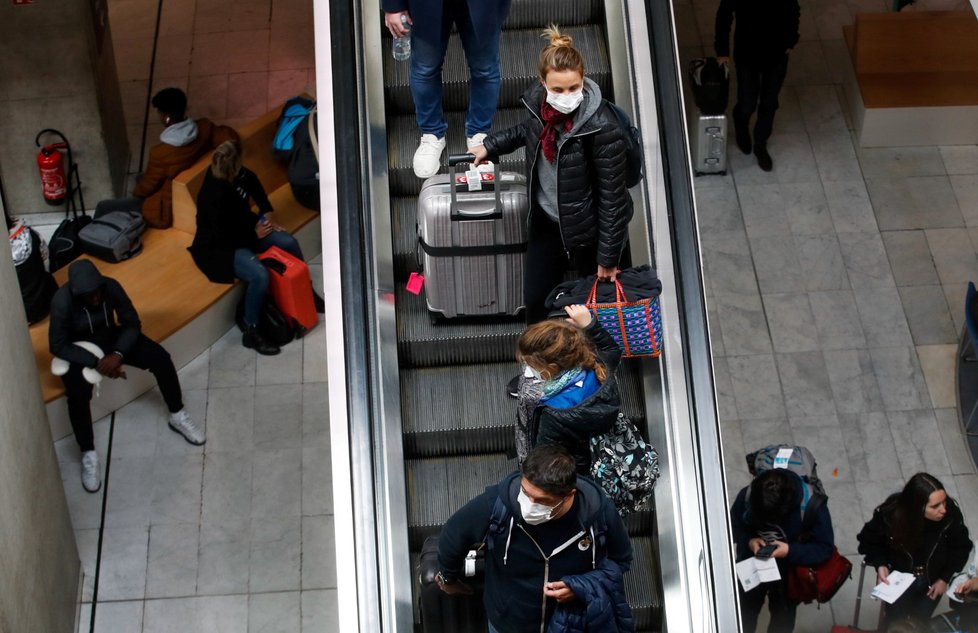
{"x":58,"y":181}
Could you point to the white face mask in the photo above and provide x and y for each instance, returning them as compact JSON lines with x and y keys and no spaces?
{"x":534,"y":513}
{"x":565,"y":102}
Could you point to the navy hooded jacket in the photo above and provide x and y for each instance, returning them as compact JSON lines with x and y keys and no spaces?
{"x":600,"y":606}
{"x":515,"y":568}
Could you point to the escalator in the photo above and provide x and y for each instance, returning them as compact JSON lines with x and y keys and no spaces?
{"x":457,"y":419}
{"x":420,"y":421}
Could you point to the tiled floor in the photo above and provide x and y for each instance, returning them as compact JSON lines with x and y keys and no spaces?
{"x":836,"y":291}
{"x":233,"y":536}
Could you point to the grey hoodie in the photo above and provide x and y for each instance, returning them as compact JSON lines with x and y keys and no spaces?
{"x":546,"y":193}
{"x":180,"y":134}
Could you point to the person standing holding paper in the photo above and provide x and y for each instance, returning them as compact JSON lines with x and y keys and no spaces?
{"x":921,"y":531}
{"x":768,"y":512}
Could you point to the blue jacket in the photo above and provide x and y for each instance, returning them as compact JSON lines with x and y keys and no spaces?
{"x":804,"y":548}
{"x":515,"y":569}
{"x":487,"y":16}
{"x":600,"y":604}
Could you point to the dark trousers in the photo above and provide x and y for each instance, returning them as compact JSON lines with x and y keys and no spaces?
{"x":547,"y":261}
{"x":758,"y":86}
{"x":782,"y":611}
{"x":914,"y":603}
{"x":145,"y":354}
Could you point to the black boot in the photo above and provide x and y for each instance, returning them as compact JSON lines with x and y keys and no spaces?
{"x":764,"y":160}
{"x":319,"y":303}
{"x":253,"y":339}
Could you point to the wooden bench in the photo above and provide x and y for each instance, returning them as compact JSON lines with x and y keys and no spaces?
{"x":915,"y":78}
{"x":177,"y":304}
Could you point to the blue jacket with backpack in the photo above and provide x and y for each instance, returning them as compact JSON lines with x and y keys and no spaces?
{"x":515,"y":568}
{"x":600,"y":605}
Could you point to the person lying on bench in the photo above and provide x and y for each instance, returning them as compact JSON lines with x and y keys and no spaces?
{"x":229,"y":235}
{"x":94,"y":312}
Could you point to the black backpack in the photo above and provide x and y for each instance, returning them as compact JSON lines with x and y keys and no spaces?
{"x":711,"y":85}
{"x":37,"y":285}
{"x":303,"y":171}
{"x":634,"y":167}
{"x":272,"y":324}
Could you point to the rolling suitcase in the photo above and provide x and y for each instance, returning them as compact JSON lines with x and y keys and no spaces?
{"x":711,"y":144}
{"x":472,"y":241}
{"x":291,"y":287}
{"x":855,"y":618}
{"x":444,"y":613}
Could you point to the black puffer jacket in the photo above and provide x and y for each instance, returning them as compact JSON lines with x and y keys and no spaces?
{"x":594,"y":204}
{"x":573,"y":428}
{"x":945,"y":545}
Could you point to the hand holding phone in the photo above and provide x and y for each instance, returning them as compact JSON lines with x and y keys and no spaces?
{"x":766,"y":552}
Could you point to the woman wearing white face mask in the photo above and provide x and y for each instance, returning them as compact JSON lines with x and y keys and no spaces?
{"x":568,"y":393}
{"x":575,"y":154}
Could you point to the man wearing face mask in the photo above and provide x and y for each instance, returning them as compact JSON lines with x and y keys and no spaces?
{"x":540,"y":526}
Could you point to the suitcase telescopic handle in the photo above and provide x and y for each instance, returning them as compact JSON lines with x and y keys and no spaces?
{"x":456,"y":213}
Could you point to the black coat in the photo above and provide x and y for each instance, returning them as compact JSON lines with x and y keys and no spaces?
{"x":948,"y":544}
{"x":515,"y":569}
{"x":594,"y":205}
{"x":226,"y":223}
{"x":573,"y":428}
{"x":113,"y":325}
{"x":766,"y":29}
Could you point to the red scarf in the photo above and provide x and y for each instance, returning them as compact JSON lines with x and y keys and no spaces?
{"x":552,"y":119}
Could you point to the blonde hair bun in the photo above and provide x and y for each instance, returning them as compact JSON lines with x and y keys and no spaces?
{"x":557,"y":39}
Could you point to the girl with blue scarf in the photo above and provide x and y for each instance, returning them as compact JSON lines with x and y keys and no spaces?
{"x":568,"y":392}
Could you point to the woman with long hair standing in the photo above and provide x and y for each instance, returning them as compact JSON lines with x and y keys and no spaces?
{"x":921,"y":531}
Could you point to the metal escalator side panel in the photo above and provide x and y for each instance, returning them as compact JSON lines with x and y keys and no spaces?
{"x":691,"y":511}
{"x":370,"y":515}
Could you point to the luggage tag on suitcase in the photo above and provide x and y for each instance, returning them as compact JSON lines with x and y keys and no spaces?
{"x":415,"y":283}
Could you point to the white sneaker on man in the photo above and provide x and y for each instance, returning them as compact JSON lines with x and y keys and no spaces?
{"x":427,"y":158}
{"x":182,"y":424}
{"x":91,"y":479}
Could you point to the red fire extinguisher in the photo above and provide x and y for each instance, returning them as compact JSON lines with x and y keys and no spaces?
{"x":51,"y":165}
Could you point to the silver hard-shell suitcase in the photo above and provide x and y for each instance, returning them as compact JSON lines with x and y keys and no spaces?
{"x":711,"y":144}
{"x":472,"y":242}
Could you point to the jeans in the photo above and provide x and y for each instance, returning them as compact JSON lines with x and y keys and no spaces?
{"x":782,"y":611}
{"x":914,"y":603}
{"x":145,"y":354}
{"x":757,"y":89}
{"x":427,"y":59}
{"x":248,"y":269}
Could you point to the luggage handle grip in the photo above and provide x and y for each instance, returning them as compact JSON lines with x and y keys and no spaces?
{"x":455,"y":159}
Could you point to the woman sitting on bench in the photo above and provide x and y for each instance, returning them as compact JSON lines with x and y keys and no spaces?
{"x":229,"y":235}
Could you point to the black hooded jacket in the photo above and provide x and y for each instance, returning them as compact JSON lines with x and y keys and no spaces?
{"x":113,"y":325}
{"x":594,"y":205}
{"x":515,"y":570}
{"x":944,"y":549}
{"x":573,"y":428}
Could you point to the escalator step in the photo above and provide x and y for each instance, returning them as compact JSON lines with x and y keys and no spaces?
{"x":457,"y":410}
{"x":438,"y":487}
{"x":537,"y":14}
{"x":402,"y":141}
{"x":642,"y":585}
{"x":518,"y":54}
{"x":421,"y":343}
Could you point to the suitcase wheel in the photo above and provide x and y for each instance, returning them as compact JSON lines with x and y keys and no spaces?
{"x":299,"y":330}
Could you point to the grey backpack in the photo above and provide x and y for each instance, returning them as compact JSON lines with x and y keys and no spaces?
{"x":115,"y":236}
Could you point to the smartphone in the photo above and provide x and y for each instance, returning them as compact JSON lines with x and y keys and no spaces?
{"x":766,"y":551}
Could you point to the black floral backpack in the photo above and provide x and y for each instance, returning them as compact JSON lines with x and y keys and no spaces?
{"x":625,"y":466}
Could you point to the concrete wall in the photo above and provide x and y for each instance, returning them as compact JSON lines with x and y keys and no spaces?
{"x":39,"y":567}
{"x":54,"y":76}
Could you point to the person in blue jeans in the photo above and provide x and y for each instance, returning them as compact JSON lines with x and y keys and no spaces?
{"x":229,"y":236}
{"x":479,"y":24}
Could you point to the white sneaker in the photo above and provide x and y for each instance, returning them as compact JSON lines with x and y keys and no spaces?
{"x":91,"y":479}
{"x":476,"y":139}
{"x":182,"y":424}
{"x":427,"y":158}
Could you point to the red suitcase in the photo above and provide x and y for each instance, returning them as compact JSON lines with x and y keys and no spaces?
{"x":291,"y":288}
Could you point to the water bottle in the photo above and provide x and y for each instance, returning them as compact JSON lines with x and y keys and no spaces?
{"x":402,"y":45}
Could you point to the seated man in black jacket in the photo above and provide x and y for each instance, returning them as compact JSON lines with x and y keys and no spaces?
{"x":545,"y":513}
{"x":95,"y":309}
